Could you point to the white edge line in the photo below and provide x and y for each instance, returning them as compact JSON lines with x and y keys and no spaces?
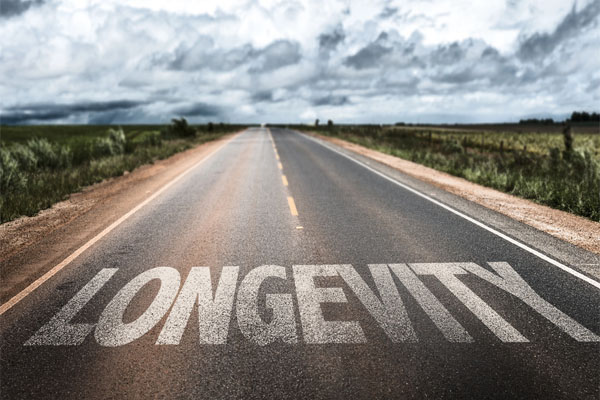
{"x":38,"y":282}
{"x":470,"y":219}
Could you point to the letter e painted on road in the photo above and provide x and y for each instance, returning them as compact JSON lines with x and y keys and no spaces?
{"x":314,"y":327}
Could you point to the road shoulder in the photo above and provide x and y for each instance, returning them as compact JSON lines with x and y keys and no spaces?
{"x":561,"y":235}
{"x":30,"y":246}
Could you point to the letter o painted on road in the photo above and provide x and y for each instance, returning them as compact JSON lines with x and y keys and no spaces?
{"x":112,"y":331}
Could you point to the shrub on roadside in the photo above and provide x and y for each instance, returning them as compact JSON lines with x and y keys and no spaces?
{"x":24,"y":156}
{"x":50,"y":155}
{"x":11,"y":176}
{"x":118,"y":139}
{"x":37,"y":174}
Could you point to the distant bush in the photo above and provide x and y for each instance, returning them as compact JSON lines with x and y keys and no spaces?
{"x":536,"y":121}
{"x":179,"y":128}
{"x":150,"y":138}
{"x":583,"y":116}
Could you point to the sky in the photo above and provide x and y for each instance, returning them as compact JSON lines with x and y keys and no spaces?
{"x":420,"y":61}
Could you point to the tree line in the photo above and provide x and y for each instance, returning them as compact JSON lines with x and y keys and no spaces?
{"x":576,"y":116}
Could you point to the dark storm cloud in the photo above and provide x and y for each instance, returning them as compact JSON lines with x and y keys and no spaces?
{"x":539,"y":45}
{"x":198,"y":110}
{"x":370,"y":55}
{"x":11,"y":8}
{"x":48,"y":112}
{"x":329,"y":41}
{"x":330,"y":100}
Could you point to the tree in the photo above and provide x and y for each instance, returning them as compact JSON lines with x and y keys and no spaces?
{"x":180,"y":128}
{"x":317,"y":122}
{"x":583,"y":116}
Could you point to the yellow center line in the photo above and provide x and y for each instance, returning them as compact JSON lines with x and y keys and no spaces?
{"x":291,"y":202}
{"x":292,"y":205}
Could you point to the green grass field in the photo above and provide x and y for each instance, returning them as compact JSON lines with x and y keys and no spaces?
{"x":530,"y":162}
{"x":41,"y":165}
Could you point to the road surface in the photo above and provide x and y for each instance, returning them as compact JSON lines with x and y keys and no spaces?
{"x":280,"y":268}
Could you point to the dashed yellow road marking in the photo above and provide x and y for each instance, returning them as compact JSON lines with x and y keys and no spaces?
{"x":291,"y":202}
{"x":292,"y":205}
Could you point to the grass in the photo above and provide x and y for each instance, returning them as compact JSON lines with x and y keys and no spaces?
{"x":41,"y":165}
{"x":535,"y":164}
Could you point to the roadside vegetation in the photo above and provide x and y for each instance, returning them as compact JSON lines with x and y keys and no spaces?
{"x":557,"y":165}
{"x":41,"y":165}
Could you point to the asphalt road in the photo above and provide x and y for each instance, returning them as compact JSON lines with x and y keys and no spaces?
{"x":278,"y":268}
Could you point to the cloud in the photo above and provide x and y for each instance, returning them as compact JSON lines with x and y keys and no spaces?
{"x":51,"y":111}
{"x":370,"y":55}
{"x":329,"y":41}
{"x":256,"y":60}
{"x":539,"y":45}
{"x":12,"y":8}
{"x":203,"y":55}
{"x":278,"y":54}
{"x":450,"y":54}
{"x":263,"y":95}
{"x":331,"y":100}
{"x":388,"y":12}
{"x":197,"y":110}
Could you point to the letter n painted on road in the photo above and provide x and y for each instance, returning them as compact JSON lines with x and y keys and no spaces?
{"x":214,"y":314}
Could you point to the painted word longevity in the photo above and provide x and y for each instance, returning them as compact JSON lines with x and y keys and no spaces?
{"x":215,"y":307}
